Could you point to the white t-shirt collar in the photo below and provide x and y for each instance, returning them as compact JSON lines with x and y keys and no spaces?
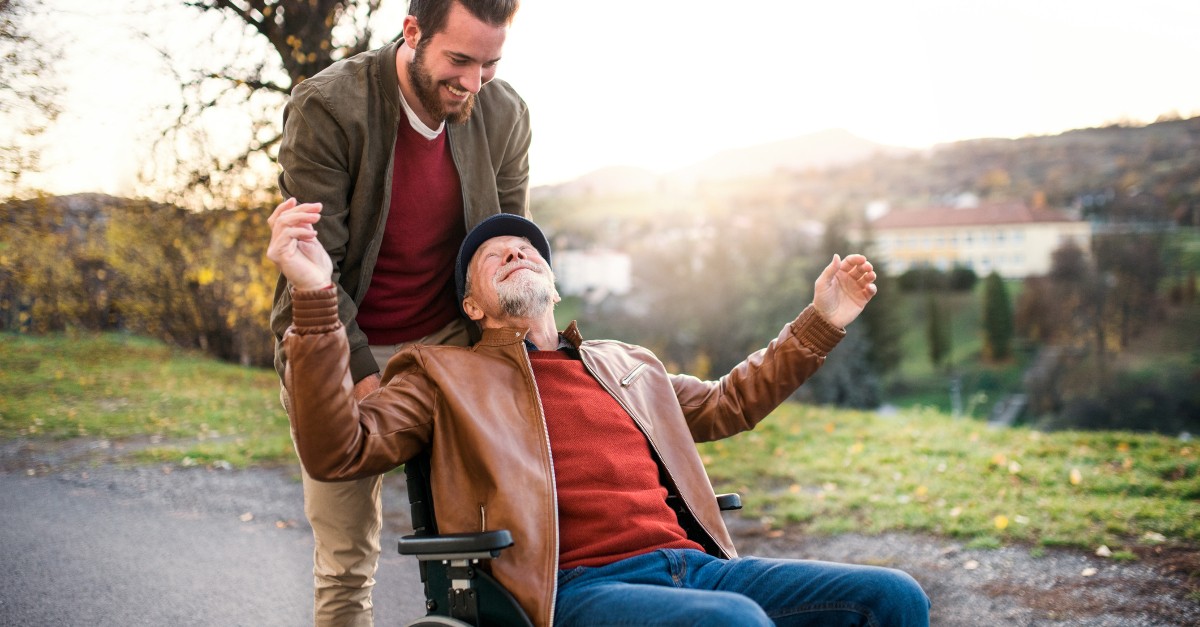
{"x":416,"y":123}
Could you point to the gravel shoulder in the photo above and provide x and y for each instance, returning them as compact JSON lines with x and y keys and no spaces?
{"x":82,"y":485}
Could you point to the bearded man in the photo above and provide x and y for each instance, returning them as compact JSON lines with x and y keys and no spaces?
{"x":405,"y":148}
{"x":573,"y":445}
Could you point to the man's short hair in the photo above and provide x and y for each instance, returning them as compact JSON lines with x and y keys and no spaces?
{"x":432,"y":14}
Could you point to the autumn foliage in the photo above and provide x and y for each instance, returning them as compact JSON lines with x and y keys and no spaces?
{"x":95,"y":263}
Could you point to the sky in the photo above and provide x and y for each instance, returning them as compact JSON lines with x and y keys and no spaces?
{"x":661,"y":84}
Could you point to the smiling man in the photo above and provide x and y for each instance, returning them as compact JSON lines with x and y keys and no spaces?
{"x":405,"y":148}
{"x":573,"y":445}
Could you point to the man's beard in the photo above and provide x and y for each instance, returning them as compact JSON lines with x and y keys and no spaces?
{"x":428,"y":91}
{"x":526,"y":295}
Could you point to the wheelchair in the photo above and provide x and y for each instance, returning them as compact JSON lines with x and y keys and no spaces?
{"x":457,"y":591}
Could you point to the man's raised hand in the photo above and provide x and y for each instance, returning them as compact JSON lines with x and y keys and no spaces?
{"x":294,"y":246}
{"x":843,"y":289}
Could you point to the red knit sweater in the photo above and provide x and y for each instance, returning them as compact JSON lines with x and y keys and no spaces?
{"x":412,"y":287}
{"x":611,"y":504}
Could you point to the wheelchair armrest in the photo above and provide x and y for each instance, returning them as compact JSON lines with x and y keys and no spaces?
{"x":457,"y":546}
{"x":729,"y":501}
{"x":725,"y":502}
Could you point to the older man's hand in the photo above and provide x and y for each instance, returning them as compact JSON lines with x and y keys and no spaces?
{"x":294,"y":246}
{"x":844,"y":288}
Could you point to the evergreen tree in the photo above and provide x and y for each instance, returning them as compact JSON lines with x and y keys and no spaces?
{"x":937,"y":333}
{"x":998,"y":325}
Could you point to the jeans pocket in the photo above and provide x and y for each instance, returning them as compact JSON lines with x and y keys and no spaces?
{"x":566,"y":576}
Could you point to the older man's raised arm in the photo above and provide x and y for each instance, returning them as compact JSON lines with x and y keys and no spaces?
{"x":335,"y":437}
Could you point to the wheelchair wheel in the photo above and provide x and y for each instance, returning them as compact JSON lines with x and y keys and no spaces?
{"x":437,"y":621}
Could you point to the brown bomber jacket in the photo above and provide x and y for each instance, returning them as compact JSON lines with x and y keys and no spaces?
{"x":477,"y":411}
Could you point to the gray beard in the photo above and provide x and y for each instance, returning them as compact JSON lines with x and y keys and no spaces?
{"x":527,"y":297}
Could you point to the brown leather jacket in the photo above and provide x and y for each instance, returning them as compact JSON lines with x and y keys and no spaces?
{"x":478,"y":412}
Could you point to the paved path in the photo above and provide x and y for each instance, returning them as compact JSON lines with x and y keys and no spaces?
{"x":144,"y":546}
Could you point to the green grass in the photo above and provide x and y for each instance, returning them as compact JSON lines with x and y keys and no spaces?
{"x":827,"y":470}
{"x":834,"y":471}
{"x":114,"y":386}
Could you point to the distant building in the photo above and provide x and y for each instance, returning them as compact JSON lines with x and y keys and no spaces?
{"x":1011,"y":238}
{"x":592,"y":274}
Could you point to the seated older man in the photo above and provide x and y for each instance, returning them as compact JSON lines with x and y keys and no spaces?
{"x":573,"y":445}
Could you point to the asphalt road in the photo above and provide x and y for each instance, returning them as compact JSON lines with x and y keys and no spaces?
{"x":161,"y":546}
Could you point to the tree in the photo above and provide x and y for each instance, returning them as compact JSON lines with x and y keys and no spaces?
{"x":28,"y":95}
{"x":282,"y":42}
{"x":998,"y":326}
{"x":937,"y":332}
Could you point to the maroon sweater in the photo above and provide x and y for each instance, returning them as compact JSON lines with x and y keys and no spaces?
{"x":611,"y":504}
{"x":412,"y":287}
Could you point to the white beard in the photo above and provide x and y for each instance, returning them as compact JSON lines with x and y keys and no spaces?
{"x":526,"y":295}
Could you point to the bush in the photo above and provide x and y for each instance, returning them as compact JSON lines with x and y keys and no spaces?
{"x":957,"y":279}
{"x":1167,"y":403}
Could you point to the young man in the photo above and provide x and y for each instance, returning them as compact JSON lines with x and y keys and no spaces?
{"x":406,"y":147}
{"x":572,"y":445}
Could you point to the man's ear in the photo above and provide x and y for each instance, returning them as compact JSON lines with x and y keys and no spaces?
{"x":411,"y":31}
{"x":472,"y":309}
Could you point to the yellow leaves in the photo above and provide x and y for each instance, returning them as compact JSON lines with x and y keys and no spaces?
{"x":1000,"y":521}
{"x":204,"y":276}
{"x":1076,"y":477}
{"x":856,"y":448}
{"x":829,"y":427}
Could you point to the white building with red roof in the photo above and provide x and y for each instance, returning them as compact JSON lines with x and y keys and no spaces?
{"x":1011,"y":238}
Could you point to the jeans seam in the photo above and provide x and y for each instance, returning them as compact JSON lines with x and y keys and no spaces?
{"x":824,"y":607}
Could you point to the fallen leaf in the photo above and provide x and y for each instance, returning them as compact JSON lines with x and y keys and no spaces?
{"x":1076,"y":476}
{"x":1089,"y":572}
{"x":1103,"y":551}
{"x":1001,"y":522}
{"x":971,"y":565}
{"x":247,"y":517}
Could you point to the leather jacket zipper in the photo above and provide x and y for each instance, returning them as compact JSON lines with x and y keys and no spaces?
{"x":633,"y":375}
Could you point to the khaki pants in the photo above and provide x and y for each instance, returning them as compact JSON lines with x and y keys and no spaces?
{"x":346,"y":519}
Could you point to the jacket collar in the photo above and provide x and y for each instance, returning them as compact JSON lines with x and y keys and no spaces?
{"x":391,"y":82}
{"x":506,"y":336}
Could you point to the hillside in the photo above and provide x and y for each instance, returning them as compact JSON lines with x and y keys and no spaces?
{"x":1147,"y":172}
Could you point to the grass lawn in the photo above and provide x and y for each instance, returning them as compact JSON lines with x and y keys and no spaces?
{"x":115,"y":386}
{"x":828,"y":470}
{"x":836,"y":471}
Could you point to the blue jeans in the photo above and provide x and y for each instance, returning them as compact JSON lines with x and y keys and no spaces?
{"x":688,"y":587}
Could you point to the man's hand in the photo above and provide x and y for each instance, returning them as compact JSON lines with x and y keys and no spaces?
{"x":366,"y":386}
{"x":294,"y":246}
{"x":843,"y":289}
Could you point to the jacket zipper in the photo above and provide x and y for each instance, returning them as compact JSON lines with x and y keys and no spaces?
{"x":633,"y":375}
{"x":541,"y":412}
